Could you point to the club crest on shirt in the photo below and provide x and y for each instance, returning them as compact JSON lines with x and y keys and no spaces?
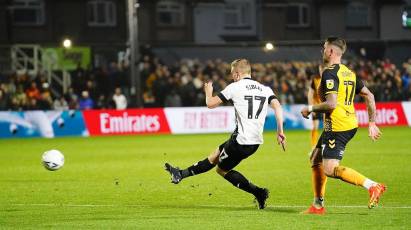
{"x":329,"y":83}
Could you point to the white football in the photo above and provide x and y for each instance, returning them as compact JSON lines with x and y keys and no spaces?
{"x":52,"y":160}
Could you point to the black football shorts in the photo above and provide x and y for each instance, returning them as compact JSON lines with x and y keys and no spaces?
{"x":232,"y":153}
{"x":333,"y":143}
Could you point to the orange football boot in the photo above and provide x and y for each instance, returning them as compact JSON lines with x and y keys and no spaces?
{"x":375,"y":192}
{"x":313,"y":210}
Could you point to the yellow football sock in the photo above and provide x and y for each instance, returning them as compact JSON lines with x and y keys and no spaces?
{"x":349,"y":175}
{"x":319,"y":180}
{"x":314,"y":137}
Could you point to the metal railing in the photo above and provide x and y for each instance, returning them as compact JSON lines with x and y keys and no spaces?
{"x":28,"y":58}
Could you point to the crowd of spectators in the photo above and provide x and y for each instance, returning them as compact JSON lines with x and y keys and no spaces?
{"x":181,"y":84}
{"x":100,"y":88}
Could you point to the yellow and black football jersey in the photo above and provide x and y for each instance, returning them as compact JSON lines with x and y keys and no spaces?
{"x":342,"y":81}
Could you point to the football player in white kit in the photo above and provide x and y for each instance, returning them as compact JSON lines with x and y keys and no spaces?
{"x":250,"y":100}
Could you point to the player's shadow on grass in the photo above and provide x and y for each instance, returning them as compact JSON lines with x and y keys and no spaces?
{"x":282,"y":210}
{"x":251,"y":208}
{"x":237,"y":208}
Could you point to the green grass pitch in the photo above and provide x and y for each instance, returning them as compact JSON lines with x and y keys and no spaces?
{"x":119,"y":182}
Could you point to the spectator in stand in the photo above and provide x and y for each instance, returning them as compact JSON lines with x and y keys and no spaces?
{"x":40,"y":80}
{"x":33,"y":92}
{"x":19,"y":99}
{"x":119,"y":99}
{"x":78,"y":78}
{"x":148,"y":99}
{"x":124,"y":73}
{"x":60,"y":104}
{"x":45,"y":102}
{"x":160,"y":86}
{"x":407,"y":94}
{"x":32,"y":104}
{"x":85,"y":101}
{"x":71,"y":98}
{"x":4,"y":100}
{"x":406,"y":78}
{"x":91,"y":89}
{"x":114,"y":76}
{"x":188,"y":91}
{"x":286,"y":95}
{"x":10,"y":86}
{"x":300,"y":94}
{"x":102,"y":102}
{"x":173,"y":100}
{"x":145,"y":68}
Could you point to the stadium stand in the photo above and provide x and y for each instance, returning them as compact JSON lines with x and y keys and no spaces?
{"x":181,"y":84}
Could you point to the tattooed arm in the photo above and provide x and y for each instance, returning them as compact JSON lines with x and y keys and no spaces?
{"x":373,"y":131}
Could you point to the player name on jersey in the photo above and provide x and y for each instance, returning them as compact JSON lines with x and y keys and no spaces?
{"x":251,"y":87}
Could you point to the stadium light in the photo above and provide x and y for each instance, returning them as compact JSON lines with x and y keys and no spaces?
{"x":67,"y":43}
{"x":269,"y":46}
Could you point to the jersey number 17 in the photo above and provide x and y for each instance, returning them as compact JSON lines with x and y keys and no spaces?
{"x":351,"y":85}
{"x":250,"y":100}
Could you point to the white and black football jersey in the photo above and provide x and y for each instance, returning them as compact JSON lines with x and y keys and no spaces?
{"x":250,"y":100}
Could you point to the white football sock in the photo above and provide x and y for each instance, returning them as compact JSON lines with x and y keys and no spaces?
{"x":368,"y":183}
{"x":318,"y":202}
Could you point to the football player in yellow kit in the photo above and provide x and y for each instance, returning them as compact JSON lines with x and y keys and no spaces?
{"x":337,"y":89}
{"x":314,"y":99}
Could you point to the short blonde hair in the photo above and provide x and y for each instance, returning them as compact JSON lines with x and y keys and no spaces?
{"x":339,"y":42}
{"x":242,"y":65}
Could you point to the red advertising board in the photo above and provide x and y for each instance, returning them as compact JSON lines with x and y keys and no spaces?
{"x":388,"y":114}
{"x":122,"y":122}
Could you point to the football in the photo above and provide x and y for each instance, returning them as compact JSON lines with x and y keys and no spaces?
{"x":52,"y":160}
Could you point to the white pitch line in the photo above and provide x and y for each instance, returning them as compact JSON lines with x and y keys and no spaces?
{"x":204,"y":206}
{"x":305,"y":206}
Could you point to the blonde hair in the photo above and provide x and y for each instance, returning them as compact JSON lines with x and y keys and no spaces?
{"x":242,"y":65}
{"x":339,"y":42}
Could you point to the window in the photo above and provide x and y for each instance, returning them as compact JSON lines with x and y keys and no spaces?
{"x":238,"y":14}
{"x":357,"y":15}
{"x":298,"y":15}
{"x":170,"y":13}
{"x":28,"y":12}
{"x":101,"y":13}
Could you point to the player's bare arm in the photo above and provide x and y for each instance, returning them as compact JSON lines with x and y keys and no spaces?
{"x":373,"y":131}
{"x":281,"y":139}
{"x":211,"y":101}
{"x":328,"y":105}
{"x":310,"y":97}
